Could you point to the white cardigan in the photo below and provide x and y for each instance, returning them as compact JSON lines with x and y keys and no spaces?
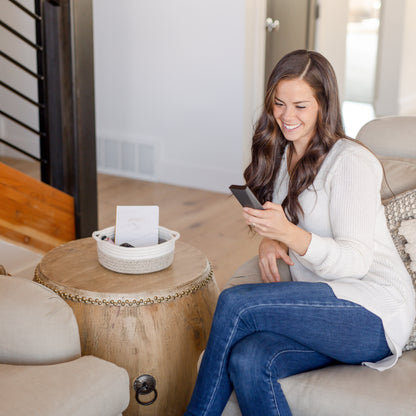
{"x":351,"y":248}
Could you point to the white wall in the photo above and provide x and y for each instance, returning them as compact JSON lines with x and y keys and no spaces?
{"x":170,"y":81}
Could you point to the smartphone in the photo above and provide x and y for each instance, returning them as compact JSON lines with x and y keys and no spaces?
{"x":245,"y":196}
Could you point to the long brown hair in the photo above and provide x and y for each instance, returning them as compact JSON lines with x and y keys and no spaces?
{"x":269,"y":142}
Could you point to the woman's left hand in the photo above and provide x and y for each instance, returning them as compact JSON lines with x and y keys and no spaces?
{"x":270,"y":222}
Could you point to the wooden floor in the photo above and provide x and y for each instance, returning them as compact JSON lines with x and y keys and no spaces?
{"x":210,"y":221}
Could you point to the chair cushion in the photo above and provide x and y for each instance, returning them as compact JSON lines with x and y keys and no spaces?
{"x":87,"y":386}
{"x":36,"y":325}
{"x":400,"y":175}
{"x":349,"y":390}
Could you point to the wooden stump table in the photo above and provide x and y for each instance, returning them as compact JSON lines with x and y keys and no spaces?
{"x":154,"y":324}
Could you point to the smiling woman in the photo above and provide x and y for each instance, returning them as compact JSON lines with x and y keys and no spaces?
{"x":322,"y":216}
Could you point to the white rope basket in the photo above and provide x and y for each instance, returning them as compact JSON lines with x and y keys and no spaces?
{"x":136,"y":260}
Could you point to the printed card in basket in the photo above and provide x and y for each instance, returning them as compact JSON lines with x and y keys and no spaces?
{"x":137,"y":226}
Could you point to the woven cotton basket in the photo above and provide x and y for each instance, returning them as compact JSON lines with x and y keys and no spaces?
{"x":136,"y":260}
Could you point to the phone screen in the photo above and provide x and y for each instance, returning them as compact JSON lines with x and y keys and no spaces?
{"x":245,"y":196}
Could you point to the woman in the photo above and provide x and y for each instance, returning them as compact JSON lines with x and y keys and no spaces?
{"x":351,"y":299}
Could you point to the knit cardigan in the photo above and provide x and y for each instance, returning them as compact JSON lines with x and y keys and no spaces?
{"x":351,"y":247}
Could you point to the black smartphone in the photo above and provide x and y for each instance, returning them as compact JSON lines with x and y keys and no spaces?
{"x":245,"y":196}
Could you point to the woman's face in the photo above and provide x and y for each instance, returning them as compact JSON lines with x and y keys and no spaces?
{"x":295,"y":110}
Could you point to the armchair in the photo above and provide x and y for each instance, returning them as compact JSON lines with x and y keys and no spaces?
{"x":42,"y":372}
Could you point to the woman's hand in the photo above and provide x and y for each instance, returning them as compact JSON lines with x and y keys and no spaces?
{"x":271,"y":222}
{"x":269,"y":251}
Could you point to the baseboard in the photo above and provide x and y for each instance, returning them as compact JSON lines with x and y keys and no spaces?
{"x":141,"y":159}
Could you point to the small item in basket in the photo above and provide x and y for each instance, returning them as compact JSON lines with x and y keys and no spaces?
{"x":137,"y":226}
{"x":126,"y":245}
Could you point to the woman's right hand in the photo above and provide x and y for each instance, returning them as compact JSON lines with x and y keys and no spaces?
{"x":269,"y":251}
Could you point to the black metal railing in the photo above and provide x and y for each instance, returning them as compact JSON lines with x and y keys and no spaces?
{"x":65,"y":100}
{"x":38,"y":76}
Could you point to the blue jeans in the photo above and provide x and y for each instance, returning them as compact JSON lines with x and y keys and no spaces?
{"x":263,"y":332}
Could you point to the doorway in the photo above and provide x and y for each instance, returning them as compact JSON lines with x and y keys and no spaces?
{"x":290,"y":26}
{"x":361,"y":61}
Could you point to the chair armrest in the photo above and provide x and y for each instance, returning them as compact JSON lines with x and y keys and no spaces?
{"x":36,"y":325}
{"x":249,"y":272}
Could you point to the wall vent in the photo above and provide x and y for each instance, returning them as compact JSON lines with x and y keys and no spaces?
{"x":126,"y":158}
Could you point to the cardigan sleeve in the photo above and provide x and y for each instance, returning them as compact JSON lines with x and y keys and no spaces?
{"x":354,"y":187}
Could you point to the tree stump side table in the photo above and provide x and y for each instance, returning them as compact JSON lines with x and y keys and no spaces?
{"x":153,"y":324}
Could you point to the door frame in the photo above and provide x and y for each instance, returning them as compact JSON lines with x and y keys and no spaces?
{"x":389,"y":58}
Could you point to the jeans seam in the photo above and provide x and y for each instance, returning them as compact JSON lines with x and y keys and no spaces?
{"x":353,"y":306}
{"x":270,"y":373}
{"x":222,"y":363}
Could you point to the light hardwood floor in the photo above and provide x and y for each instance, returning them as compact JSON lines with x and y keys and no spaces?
{"x":210,"y":221}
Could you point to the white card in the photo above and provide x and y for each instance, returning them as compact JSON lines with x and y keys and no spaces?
{"x":137,"y":225}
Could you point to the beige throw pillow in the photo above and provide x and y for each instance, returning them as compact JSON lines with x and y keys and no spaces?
{"x":399,"y":210}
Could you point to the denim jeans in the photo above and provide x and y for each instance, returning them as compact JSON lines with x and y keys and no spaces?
{"x":263,"y":332}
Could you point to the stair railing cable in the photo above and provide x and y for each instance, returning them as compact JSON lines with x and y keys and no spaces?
{"x":39,"y":76}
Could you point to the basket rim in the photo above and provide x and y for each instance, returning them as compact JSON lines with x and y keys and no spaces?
{"x":97,"y":235}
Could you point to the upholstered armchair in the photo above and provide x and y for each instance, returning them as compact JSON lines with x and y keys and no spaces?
{"x":42,"y":372}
